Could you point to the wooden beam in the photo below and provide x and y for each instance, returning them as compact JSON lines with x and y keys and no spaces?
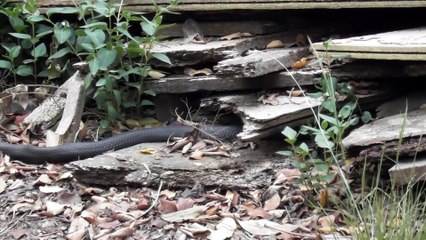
{"x":213,"y":5}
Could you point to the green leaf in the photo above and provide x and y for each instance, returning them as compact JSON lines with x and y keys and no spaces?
{"x":117,"y":96}
{"x":104,"y":123}
{"x":101,"y":82}
{"x":60,"y":53}
{"x":162,"y":57}
{"x":146,"y":102}
{"x":96,"y":25}
{"x":96,"y":36}
{"x":63,"y":10}
{"x":62,"y":33}
{"x":36,"y":18}
{"x":366,"y":117}
{"x":323,"y":142}
{"x":39,"y":51}
{"x":42,"y":34}
{"x":5,"y":64}
{"x":21,"y":35}
{"x":150,"y":92}
{"x":24,"y":70}
{"x":289,"y":133}
{"x":15,"y":51}
{"x":286,"y":153}
{"x":303,"y":148}
{"x":94,"y":66}
{"x":324,"y":124}
{"x":123,"y":27}
{"x":106,"y":57}
{"x":148,"y":27}
{"x":329,"y":119}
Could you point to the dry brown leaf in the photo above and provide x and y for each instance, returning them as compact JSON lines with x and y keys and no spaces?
{"x":188,"y":214}
{"x":186,"y":148}
{"x":77,"y":235}
{"x":44,"y":179}
{"x":296,"y":93}
{"x":327,"y":221}
{"x":275,"y":44}
{"x":51,"y":189}
{"x":257,"y":213}
{"x":168,"y":206}
{"x":265,"y":227}
{"x":196,"y":155}
{"x":288,"y":174}
{"x":2,"y":185}
{"x":270,"y":98}
{"x":202,"y":72}
{"x":195,"y":230}
{"x":122,"y":233}
{"x":65,"y":175}
{"x":110,"y":225}
{"x":169,"y":194}
{"x":300,"y":64}
{"x":13,"y":139}
{"x":17,"y":184}
{"x":18,"y":233}
{"x":148,"y":151}
{"x":224,"y":230}
{"x":53,"y":209}
{"x":156,"y":74}
{"x":184,"y":203}
{"x":323,"y":198}
{"x":236,"y":35}
{"x":89,"y":216}
{"x":272,"y":203}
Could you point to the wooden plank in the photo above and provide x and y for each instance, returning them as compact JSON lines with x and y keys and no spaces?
{"x":407,"y":171}
{"x":260,"y":63}
{"x":409,"y":44}
{"x":186,"y":84}
{"x":358,"y":70}
{"x":261,"y":117}
{"x":219,"y":29}
{"x":185,"y":53}
{"x":388,"y":129}
{"x":202,"y":5}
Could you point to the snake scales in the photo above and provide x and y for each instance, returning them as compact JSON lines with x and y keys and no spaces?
{"x":81,"y":150}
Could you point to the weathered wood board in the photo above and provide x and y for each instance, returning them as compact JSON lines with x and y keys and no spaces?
{"x":259,"y":63}
{"x":202,"y":5}
{"x":409,"y":44}
{"x":257,"y":116}
{"x":183,"y":52}
{"x":388,"y":129}
{"x":408,"y":171}
{"x":358,"y":70}
{"x":220,"y":29}
{"x":256,"y":168}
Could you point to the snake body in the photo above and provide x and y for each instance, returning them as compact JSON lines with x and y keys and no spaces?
{"x":81,"y":150}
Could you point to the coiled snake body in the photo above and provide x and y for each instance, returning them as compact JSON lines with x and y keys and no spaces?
{"x":81,"y":150}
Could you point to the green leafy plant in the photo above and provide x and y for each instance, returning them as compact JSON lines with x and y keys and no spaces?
{"x":119,"y":60}
{"x":334,"y":117}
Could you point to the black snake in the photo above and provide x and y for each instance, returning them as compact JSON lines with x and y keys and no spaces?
{"x":81,"y":150}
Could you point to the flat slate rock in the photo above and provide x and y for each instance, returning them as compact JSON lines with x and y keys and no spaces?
{"x":251,"y":169}
{"x":408,"y":44}
{"x":211,"y":5}
{"x":388,"y":129}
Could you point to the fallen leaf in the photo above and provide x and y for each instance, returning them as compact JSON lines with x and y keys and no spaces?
{"x":51,"y":189}
{"x":327,"y":221}
{"x":188,"y":214}
{"x":323,"y":198}
{"x":257,"y":213}
{"x":65,"y":175}
{"x":2,"y":185}
{"x":265,"y":227}
{"x":195,"y":230}
{"x":186,"y":148}
{"x":156,"y":74}
{"x":148,"y":151}
{"x":18,"y":233}
{"x":69,"y":198}
{"x":296,"y":93}
{"x":270,"y":98}
{"x":202,"y":72}
{"x":272,"y":203}
{"x":275,"y":44}
{"x":225,"y":229}
{"x":44,"y":179}
{"x":53,"y":209}
{"x":76,"y":235}
{"x":17,"y":184}
{"x":236,"y":35}
{"x":169,"y":194}
{"x":197,"y":155}
{"x":184,"y":203}
{"x":13,"y":139}
{"x":300,"y":64}
{"x":168,"y":206}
